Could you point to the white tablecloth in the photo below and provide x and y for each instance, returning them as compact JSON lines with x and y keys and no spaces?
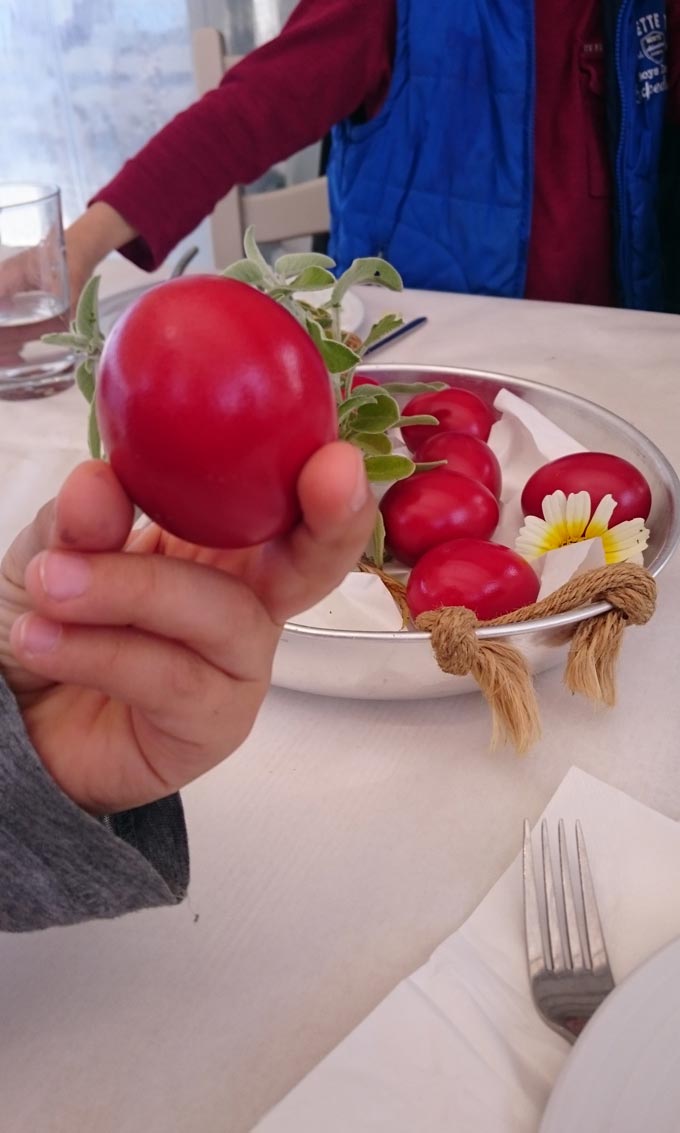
{"x":345,"y":840}
{"x":458,"y":1046}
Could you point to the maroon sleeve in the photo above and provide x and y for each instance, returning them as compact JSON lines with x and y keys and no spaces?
{"x":332,"y":58}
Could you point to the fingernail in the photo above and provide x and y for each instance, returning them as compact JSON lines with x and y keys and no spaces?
{"x":64,"y":576}
{"x":37,"y":635}
{"x":361,"y":489}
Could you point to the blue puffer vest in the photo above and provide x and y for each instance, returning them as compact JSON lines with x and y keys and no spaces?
{"x":440,"y":181}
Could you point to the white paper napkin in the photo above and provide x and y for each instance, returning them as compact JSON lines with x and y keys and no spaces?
{"x":458,"y":1045}
{"x":523,"y":440}
{"x":362,"y":599}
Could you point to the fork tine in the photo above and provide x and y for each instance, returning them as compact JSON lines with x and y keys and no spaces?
{"x":599,"y":960}
{"x":554,"y":934}
{"x":573,"y":941}
{"x":566,"y":986}
{"x":532,"y":920}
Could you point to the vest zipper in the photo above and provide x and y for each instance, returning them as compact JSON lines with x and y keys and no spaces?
{"x":621,"y":204}
{"x":531,"y":145}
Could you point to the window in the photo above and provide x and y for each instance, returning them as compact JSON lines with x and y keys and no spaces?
{"x":84,"y":85}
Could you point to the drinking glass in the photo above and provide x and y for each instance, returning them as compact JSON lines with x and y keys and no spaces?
{"x":34,"y":294}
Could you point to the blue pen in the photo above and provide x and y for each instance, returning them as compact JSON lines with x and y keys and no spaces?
{"x":406,"y":329}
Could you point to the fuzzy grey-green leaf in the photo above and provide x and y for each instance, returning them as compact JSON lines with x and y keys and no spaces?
{"x":371,"y":269}
{"x":373,"y":444}
{"x":385,"y":469}
{"x":254,"y":254}
{"x":362,"y":393}
{"x":296,"y":262}
{"x":337,"y":356}
{"x":312,"y":279}
{"x":87,"y":311}
{"x":377,"y":551}
{"x":93,"y":437}
{"x":351,"y":404}
{"x":428,"y":465}
{"x":417,"y":419}
{"x":246,"y":271}
{"x":377,"y":416}
{"x":414,"y":387}
{"x":85,"y":379}
{"x":314,"y":331}
{"x":317,"y":316}
{"x":65,"y":338}
{"x":383,"y":327}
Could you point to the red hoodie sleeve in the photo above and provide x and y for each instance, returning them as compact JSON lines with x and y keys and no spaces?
{"x":332,"y":58}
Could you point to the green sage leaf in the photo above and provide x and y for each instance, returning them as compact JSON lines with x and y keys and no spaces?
{"x":316,"y":315}
{"x":87,"y":312}
{"x":383,"y":327}
{"x":418,"y":419}
{"x":350,"y":404}
{"x":315,"y":332}
{"x":373,"y":444}
{"x":85,"y":379}
{"x":385,"y":469}
{"x":253,"y":253}
{"x":294,"y":309}
{"x":311,"y":279}
{"x":93,"y":437}
{"x":337,"y":356}
{"x":377,"y":549}
{"x":297,"y":262}
{"x":65,"y":338}
{"x":378,"y":416}
{"x":368,"y":270}
{"x":362,"y":393}
{"x":414,"y":387}
{"x":246,"y":271}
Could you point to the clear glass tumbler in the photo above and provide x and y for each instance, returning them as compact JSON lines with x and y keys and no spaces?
{"x":34,"y":292}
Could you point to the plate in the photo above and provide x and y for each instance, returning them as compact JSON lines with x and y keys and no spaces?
{"x":623,"y":1072}
{"x":382,"y":665}
{"x":114,"y":305}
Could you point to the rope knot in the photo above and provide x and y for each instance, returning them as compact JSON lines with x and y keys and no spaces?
{"x":454,"y":640}
{"x":501,"y":670}
{"x":634,"y":595}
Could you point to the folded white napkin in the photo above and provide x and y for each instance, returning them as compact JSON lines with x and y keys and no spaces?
{"x":458,"y":1045}
{"x":523,"y":440}
{"x":361,"y":600}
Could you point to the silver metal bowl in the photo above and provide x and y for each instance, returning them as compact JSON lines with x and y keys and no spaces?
{"x":371,"y":665}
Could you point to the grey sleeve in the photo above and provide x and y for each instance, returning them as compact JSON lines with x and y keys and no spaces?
{"x":59,"y":865}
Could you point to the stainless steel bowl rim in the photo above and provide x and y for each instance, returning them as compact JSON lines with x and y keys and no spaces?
{"x":535,"y":625}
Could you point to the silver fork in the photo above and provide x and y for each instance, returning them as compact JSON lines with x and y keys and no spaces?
{"x":569,"y":972}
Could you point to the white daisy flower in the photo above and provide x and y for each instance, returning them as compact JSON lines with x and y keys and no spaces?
{"x":567,"y":519}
